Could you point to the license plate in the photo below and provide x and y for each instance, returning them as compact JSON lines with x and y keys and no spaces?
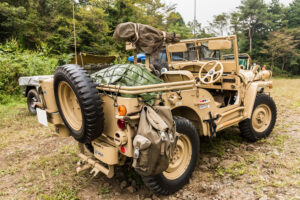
{"x":42,"y":116}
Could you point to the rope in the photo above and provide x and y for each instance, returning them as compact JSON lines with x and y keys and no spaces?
{"x":136,"y":31}
{"x":165,"y":35}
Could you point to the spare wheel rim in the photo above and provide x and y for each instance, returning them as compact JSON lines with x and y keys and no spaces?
{"x":180,"y":161}
{"x":69,"y":105}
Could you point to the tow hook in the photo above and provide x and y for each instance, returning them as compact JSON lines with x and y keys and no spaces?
{"x":87,"y":162}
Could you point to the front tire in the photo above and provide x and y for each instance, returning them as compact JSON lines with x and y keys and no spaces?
{"x":262,"y":120}
{"x":182,"y":164}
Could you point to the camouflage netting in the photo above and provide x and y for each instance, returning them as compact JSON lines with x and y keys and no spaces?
{"x":128,"y":75}
{"x":146,"y":38}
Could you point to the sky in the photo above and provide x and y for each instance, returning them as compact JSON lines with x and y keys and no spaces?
{"x":206,"y":9}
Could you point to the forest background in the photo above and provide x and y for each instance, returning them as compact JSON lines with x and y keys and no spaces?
{"x":36,"y":36}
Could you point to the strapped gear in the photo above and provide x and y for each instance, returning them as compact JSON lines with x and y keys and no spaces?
{"x":155,"y":140}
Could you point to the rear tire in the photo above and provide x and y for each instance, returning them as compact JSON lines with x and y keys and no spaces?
{"x":78,"y":103}
{"x":167,"y":183}
{"x":32,"y":97}
{"x":262,"y":120}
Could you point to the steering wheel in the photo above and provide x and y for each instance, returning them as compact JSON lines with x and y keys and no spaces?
{"x":214,"y":71}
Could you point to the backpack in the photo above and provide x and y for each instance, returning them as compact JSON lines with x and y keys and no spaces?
{"x":155,"y":140}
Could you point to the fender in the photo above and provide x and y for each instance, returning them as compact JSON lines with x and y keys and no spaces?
{"x":250,"y":96}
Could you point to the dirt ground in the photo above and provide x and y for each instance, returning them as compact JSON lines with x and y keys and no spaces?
{"x":36,"y":164}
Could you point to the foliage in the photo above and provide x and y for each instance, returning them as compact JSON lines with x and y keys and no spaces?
{"x":43,"y":32}
{"x":16,"y":62}
{"x":293,"y":14}
{"x":281,"y":45}
{"x":269,"y":32}
{"x":219,"y":24}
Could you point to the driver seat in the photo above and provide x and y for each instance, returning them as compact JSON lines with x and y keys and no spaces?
{"x":176,"y":75}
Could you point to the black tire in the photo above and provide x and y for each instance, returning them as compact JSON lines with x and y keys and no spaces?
{"x":88,"y":99}
{"x":32,"y":97}
{"x":159,"y":184}
{"x":247,"y":130}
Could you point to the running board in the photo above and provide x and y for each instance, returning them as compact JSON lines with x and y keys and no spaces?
{"x":229,"y":123}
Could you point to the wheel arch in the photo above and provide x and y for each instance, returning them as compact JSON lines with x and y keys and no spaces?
{"x":29,"y":88}
{"x":190,"y":114}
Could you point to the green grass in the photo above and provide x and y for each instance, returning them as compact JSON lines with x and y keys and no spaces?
{"x":103,"y":189}
{"x":235,"y":171}
{"x":61,"y":194}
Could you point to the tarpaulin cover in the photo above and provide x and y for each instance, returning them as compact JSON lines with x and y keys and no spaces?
{"x":128,"y":75}
{"x":146,"y":38}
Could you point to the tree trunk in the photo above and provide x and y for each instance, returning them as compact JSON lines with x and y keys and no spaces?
{"x":283,"y":63}
{"x":250,"y":38}
{"x":272,"y":65}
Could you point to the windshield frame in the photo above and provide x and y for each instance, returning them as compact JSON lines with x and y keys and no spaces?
{"x":232,"y":38}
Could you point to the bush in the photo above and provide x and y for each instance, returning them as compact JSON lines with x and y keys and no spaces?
{"x":16,"y":62}
{"x":278,"y":72}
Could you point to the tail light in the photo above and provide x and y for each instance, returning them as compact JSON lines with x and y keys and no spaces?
{"x":122,"y":149}
{"x":121,"y":124}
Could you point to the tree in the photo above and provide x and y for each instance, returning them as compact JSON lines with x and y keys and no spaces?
{"x":199,"y":31}
{"x":175,"y":23}
{"x":275,"y":18}
{"x":182,"y":30}
{"x":293,"y":14}
{"x":281,"y":45}
{"x":174,"y":18}
{"x":92,"y":28}
{"x":253,"y":16}
{"x":235,"y":24}
{"x":219,"y":24}
{"x":11,"y":20}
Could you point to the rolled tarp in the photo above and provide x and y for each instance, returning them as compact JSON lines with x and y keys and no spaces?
{"x":146,"y":38}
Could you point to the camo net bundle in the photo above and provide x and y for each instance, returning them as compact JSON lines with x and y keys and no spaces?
{"x":146,"y":39}
{"x":128,"y":75}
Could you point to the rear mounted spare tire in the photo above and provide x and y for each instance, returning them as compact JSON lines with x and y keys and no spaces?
{"x":78,"y":102}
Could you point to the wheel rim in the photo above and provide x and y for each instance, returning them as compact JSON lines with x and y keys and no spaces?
{"x":261,"y":118}
{"x":69,"y":105}
{"x":32,"y":102}
{"x":181,"y":158}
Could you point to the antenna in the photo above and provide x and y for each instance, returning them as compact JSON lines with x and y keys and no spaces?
{"x":195,"y":10}
{"x":74,"y":32}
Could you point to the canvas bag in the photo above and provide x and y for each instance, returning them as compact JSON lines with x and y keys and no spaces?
{"x":155,"y":140}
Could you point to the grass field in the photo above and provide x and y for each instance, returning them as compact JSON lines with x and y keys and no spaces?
{"x":36,"y":164}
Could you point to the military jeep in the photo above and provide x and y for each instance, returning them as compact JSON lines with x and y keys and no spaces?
{"x":205,"y":93}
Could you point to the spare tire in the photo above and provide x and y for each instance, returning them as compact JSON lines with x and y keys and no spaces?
{"x":78,"y":102}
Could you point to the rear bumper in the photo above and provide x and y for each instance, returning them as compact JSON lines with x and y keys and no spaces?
{"x":87,"y":163}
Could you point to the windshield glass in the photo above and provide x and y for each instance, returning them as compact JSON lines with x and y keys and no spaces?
{"x":199,"y":51}
{"x":189,"y":55}
{"x":206,"y":54}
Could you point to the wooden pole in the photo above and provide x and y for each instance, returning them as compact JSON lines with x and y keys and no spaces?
{"x":195,"y":18}
{"x":74,"y":27}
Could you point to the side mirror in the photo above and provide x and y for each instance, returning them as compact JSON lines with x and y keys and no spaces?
{"x":219,"y":44}
{"x":179,"y":47}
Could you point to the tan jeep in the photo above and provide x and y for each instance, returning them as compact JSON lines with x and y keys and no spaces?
{"x":205,"y":92}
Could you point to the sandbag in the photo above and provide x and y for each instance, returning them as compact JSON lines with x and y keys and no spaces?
{"x":146,"y":39}
{"x":155,"y":141}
